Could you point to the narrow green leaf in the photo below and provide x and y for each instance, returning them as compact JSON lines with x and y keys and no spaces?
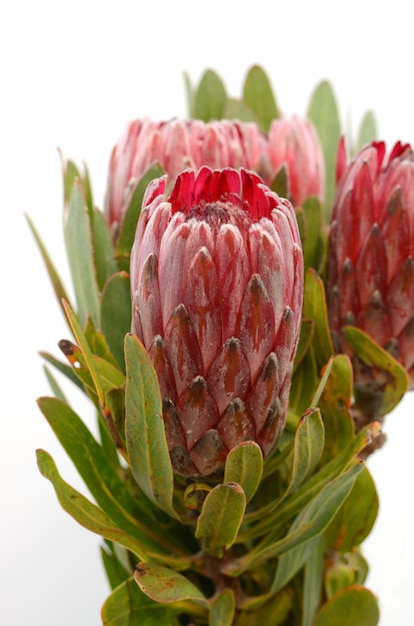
{"x":222,"y":609}
{"x":238,"y":110}
{"x":79,"y":248}
{"x":116,"y":571}
{"x":129,"y":223}
{"x":103,"y":480}
{"x":315,"y":308}
{"x":322,"y":383}
{"x":89,"y":360}
{"x":103,"y":250}
{"x":313,"y":582}
{"x":82,"y":510}
{"x":335,"y":404}
{"x":189,"y":92}
{"x":55,"y":387}
{"x":355,"y":519}
{"x":323,"y":111}
{"x":210,"y":97}
{"x":164,"y":585}
{"x":65,"y":369}
{"x":258,"y":96}
{"x":128,"y":606}
{"x":305,"y":339}
{"x":354,"y":606}
{"x":56,"y":281}
{"x":308,"y":525}
{"x":144,"y":428}
{"x":244,"y":465}
{"x":116,"y":313}
{"x":367,"y":130}
{"x":221,"y":517}
{"x":373,"y":355}
{"x":308,"y":447}
{"x":313,"y":236}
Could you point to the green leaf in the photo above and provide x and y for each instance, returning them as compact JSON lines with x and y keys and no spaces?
{"x":102,"y":479}
{"x":308,"y":525}
{"x":144,"y":428}
{"x":335,"y":404}
{"x":258,"y":96}
{"x":244,"y":465}
{"x":189,"y":92}
{"x":129,"y":223}
{"x":210,"y":97}
{"x":79,"y":248}
{"x":116,"y":314}
{"x":56,"y":281}
{"x":103,"y":250}
{"x":65,"y":369}
{"x":374,"y":356}
{"x":355,"y":519}
{"x":323,"y":112}
{"x":312,"y":234}
{"x":222,"y":609}
{"x":238,"y":110}
{"x":305,"y":339}
{"x":221,"y":517}
{"x":56,"y":389}
{"x":82,"y":510}
{"x":128,"y":606}
{"x":315,"y":308}
{"x":164,"y":585}
{"x":116,"y":570}
{"x":308,"y":447}
{"x":367,"y":130}
{"x":313,"y":582}
{"x":354,"y":606}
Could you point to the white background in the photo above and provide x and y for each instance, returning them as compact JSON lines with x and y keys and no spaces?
{"x":72,"y":74}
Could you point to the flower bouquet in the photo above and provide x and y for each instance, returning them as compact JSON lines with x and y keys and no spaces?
{"x":243,"y":321}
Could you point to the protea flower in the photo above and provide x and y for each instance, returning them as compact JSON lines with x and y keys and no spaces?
{"x":217,"y":286}
{"x":177,"y":145}
{"x":293,"y":142}
{"x":371,"y":267}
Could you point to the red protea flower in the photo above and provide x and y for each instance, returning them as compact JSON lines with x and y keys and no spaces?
{"x":371,"y":267}
{"x":177,"y":145}
{"x":217,"y":286}
{"x":293,"y":142}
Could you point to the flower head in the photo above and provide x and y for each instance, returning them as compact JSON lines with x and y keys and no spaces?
{"x":293,"y":142}
{"x":217,"y":286}
{"x":177,"y":145}
{"x":371,"y":262}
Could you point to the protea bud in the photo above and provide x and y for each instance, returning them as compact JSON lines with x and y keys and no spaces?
{"x":217,"y":286}
{"x":293,"y":142}
{"x":177,"y":145}
{"x":371,"y":267}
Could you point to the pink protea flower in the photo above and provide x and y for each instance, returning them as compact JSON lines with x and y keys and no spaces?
{"x":293,"y":142}
{"x":177,"y":145}
{"x":371,"y":267}
{"x":217,"y":286}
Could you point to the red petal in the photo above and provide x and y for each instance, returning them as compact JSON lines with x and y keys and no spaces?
{"x":264,"y":393}
{"x":182,"y":348}
{"x":400,"y":297}
{"x":229,"y":375}
{"x":236,"y":425}
{"x":371,"y":268}
{"x":171,"y":271}
{"x":256,"y":325}
{"x":162,"y":366}
{"x":201,"y":300}
{"x":233,"y":275}
{"x":197,"y":411}
{"x":149,"y":301}
{"x":209,"y":454}
{"x":173,"y":429}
